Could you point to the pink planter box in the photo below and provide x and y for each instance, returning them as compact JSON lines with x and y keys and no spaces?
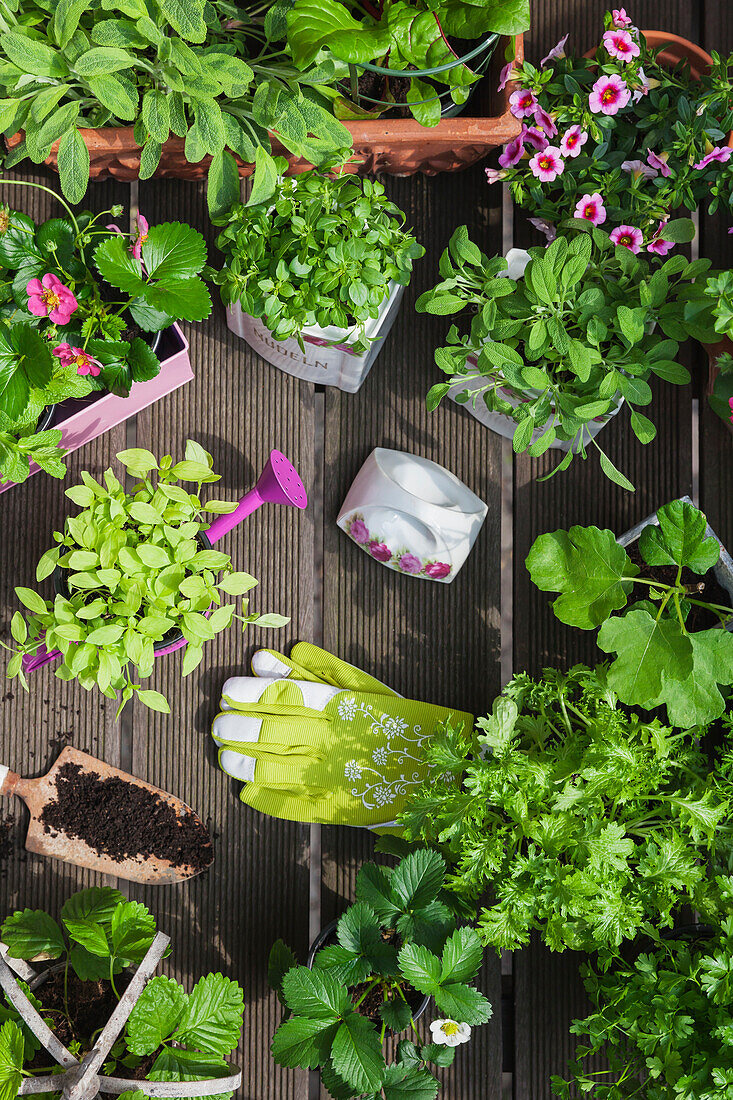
{"x":82,"y":421}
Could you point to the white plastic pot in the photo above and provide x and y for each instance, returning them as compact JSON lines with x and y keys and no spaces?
{"x":329,"y":358}
{"x":502,"y":423}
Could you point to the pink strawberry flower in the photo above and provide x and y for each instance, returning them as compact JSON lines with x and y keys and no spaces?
{"x":609,"y":95}
{"x":591,"y":208}
{"x":531,"y":135}
{"x":545,"y":121}
{"x":142,"y":236}
{"x":522,"y":103}
{"x":49,"y":296}
{"x":638,"y":168}
{"x":505,"y":75}
{"x":359,"y":531}
{"x":437,"y":570}
{"x":621,"y":45}
{"x":494,"y":175}
{"x":620,"y":18}
{"x":379,"y":551}
{"x":721,"y":154}
{"x":628,"y":236}
{"x":410,"y":563}
{"x":82,"y":360}
{"x":572,"y":141}
{"x":549,"y":230}
{"x":513,"y":153}
{"x":657,"y":244}
{"x":556,"y":53}
{"x":547,"y":165}
{"x":659,"y":162}
{"x":730,"y":402}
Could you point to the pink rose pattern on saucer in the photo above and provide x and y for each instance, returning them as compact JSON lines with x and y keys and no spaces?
{"x":403,"y":561}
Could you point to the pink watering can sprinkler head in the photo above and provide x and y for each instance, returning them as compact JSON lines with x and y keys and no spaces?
{"x":279,"y":483}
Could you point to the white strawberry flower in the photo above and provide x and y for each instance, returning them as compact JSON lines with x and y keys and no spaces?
{"x":448,"y":1033}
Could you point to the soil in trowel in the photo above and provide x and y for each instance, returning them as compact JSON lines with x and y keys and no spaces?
{"x":124,"y":821}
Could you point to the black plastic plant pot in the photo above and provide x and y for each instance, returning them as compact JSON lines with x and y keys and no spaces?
{"x":476,"y":59}
{"x":45,"y":420}
{"x":327,"y":936}
{"x":172,"y":639}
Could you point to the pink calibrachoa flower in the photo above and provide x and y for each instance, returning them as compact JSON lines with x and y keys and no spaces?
{"x":547,"y":165}
{"x":621,"y":45}
{"x":731,"y":229}
{"x":545,"y":227}
{"x":359,"y":531}
{"x":379,"y":551}
{"x":638,"y":168}
{"x":721,"y":154}
{"x":142,"y":236}
{"x":437,"y":569}
{"x":557,"y":52}
{"x":609,"y":94}
{"x":82,"y":360}
{"x":49,"y":296}
{"x":659,"y":162}
{"x":628,"y":236}
{"x":620,"y":18}
{"x":531,"y":135}
{"x":494,"y":175}
{"x":545,"y":121}
{"x":644,"y":87}
{"x":505,"y":75}
{"x":410,"y":563}
{"x":591,"y":208}
{"x":657,"y":243}
{"x":522,"y":103}
{"x":513,"y":153}
{"x":572,"y":142}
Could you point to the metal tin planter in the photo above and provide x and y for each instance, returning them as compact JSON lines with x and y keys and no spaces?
{"x":330,"y":357}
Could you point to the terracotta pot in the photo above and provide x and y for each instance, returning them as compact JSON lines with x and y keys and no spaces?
{"x":399,"y":147}
{"x":713,"y":351}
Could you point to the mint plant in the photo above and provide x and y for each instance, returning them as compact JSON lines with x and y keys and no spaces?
{"x":660,"y":660}
{"x":132,"y":571}
{"x":397,"y":942}
{"x":576,"y":817}
{"x":561,"y":343}
{"x":79,"y":304}
{"x":215,"y":75}
{"x":660,"y":1020}
{"x":323,"y":252}
{"x":100,"y":935}
{"x":402,"y":35}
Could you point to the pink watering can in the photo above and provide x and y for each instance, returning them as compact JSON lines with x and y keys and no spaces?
{"x":279,"y":483}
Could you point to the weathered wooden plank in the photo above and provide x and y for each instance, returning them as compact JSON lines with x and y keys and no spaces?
{"x":238,"y":408}
{"x":548,"y":988}
{"x":426,"y":640}
{"x":34,"y":728}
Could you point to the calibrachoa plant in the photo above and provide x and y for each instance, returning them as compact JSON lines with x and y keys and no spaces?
{"x":569,"y":814}
{"x":404,"y":561}
{"x":399,"y":943}
{"x":132,"y":571}
{"x":577,"y":327}
{"x":79,"y":306}
{"x":618,"y":139}
{"x":322,"y":252}
{"x":170,"y":1035}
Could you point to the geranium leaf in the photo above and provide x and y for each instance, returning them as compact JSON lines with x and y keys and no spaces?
{"x":646,"y":648}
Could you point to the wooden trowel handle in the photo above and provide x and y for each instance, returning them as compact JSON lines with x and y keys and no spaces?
{"x":8,"y":780}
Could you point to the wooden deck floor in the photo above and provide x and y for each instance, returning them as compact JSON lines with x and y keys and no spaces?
{"x":272,"y":878}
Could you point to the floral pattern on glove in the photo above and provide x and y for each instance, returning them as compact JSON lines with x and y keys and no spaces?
{"x":401,"y":745}
{"x":402,"y":561}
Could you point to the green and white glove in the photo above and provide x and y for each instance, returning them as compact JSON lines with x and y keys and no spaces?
{"x":316,"y":739}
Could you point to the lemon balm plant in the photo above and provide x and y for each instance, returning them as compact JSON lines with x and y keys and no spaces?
{"x":133,"y":571}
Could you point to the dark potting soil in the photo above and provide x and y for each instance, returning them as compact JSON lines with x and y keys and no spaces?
{"x":124,"y":821}
{"x":710,"y":591}
{"x":90,"y":1006}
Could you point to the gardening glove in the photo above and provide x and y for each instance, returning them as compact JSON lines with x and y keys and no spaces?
{"x":316,"y":739}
